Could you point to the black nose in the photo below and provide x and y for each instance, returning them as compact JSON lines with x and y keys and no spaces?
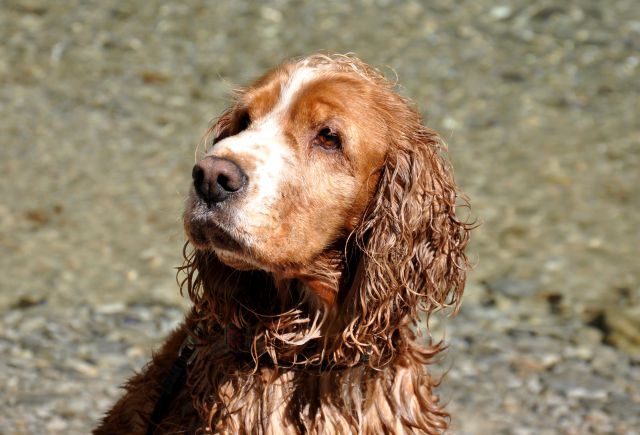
{"x":215,"y":179}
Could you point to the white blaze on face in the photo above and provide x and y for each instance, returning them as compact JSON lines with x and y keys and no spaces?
{"x":264,"y":144}
{"x":301,"y":76}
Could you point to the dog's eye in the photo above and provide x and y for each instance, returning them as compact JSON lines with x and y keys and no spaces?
{"x":244,"y":121}
{"x":237,"y":124}
{"x":328,"y":139}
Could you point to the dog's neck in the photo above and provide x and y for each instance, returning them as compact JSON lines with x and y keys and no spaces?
{"x":323,"y":278}
{"x":304,"y":304}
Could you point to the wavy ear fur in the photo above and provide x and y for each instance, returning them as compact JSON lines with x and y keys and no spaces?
{"x":411,"y":240}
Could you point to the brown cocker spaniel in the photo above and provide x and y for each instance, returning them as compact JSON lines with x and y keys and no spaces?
{"x":321,"y":224}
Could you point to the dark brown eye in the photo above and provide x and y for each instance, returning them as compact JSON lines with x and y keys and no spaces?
{"x":231,"y":124}
{"x":244,"y":121}
{"x":327,"y":139}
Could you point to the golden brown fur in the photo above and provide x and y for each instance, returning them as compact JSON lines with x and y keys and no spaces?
{"x":330,"y":318}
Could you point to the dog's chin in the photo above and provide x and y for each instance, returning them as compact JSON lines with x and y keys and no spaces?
{"x":228,"y":250}
{"x":215,"y":231}
{"x":235,"y":261}
{"x":208,"y":233}
{"x":208,"y":230}
{"x":210,"y":236}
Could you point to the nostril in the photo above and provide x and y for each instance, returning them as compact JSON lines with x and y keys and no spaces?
{"x":197,"y":174}
{"x":223,"y":181}
{"x":232,"y":181}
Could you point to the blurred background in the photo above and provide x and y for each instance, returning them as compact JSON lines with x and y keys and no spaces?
{"x":102,"y":105}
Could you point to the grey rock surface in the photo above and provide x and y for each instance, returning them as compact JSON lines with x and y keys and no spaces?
{"x":102,"y":105}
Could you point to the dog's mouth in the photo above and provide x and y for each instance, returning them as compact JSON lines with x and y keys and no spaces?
{"x":209,"y":227}
{"x":210,"y":235}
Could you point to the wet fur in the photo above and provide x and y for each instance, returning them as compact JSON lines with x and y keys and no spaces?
{"x":403,"y":256}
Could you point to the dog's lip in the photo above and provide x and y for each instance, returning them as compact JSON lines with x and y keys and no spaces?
{"x":219,"y":237}
{"x":211,"y":236}
{"x":208,"y":229}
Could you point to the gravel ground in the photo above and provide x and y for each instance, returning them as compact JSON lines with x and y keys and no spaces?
{"x":102,"y":105}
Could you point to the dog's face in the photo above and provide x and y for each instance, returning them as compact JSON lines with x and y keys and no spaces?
{"x":291,"y":170}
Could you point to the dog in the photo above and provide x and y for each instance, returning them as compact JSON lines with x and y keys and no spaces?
{"x":321,"y":226}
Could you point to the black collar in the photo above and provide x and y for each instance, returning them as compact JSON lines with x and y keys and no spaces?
{"x":173,"y":382}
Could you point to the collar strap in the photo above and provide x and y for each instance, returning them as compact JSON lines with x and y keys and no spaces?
{"x":236,"y":340}
{"x":238,"y":343}
{"x":174,"y":381}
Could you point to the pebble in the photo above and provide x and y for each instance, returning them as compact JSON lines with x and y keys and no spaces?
{"x":57,"y":424}
{"x":500,"y":12}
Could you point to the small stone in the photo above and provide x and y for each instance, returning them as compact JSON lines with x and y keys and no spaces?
{"x":588,"y":337}
{"x":85,"y":368}
{"x":513,"y":288}
{"x":580,"y":352}
{"x":511,"y":404}
{"x":56,"y":424}
{"x":582,"y":393}
{"x":132,"y":275}
{"x":112,"y":308}
{"x":450,"y":123}
{"x":500,"y":12}
{"x":549,"y":360}
{"x":136,"y":352}
{"x":534,"y":385}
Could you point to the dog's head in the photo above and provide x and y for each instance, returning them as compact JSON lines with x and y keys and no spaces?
{"x":291,"y":169}
{"x":319,"y":153}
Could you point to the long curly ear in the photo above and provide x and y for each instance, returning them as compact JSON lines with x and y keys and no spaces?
{"x":412,"y":242}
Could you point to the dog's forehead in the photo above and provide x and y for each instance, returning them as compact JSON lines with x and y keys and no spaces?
{"x":287,"y":103}
{"x":274,"y":93}
{"x":303,"y":97}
